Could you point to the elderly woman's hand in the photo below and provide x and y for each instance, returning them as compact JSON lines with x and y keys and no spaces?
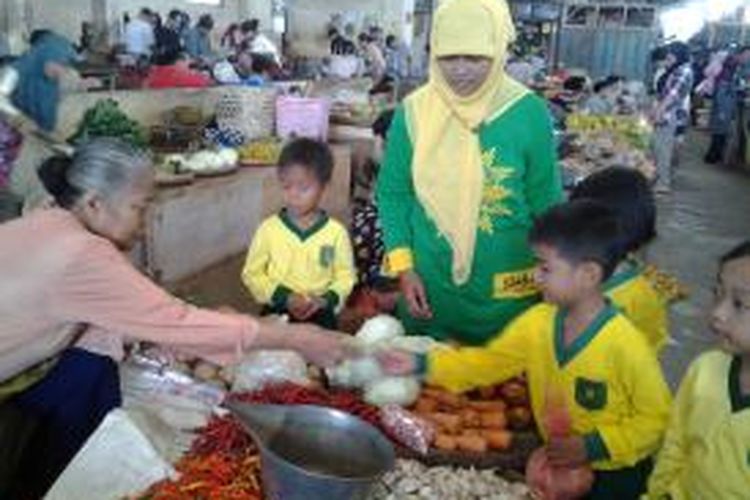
{"x":321,"y":347}
{"x":415,"y":295}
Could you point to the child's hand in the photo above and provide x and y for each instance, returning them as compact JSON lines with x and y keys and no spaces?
{"x":315,"y":305}
{"x":299,"y":306}
{"x":567,"y":452}
{"x":397,"y":363}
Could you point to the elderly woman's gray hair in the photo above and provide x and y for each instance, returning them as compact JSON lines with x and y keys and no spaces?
{"x":104,"y":166}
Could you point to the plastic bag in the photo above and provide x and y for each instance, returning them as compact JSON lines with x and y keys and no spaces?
{"x":402,"y":391}
{"x":263,"y":367}
{"x":555,"y":483}
{"x":407,"y":428}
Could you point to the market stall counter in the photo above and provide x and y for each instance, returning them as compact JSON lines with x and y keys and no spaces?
{"x":192,"y":227}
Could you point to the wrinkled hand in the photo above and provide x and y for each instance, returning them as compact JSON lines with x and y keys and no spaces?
{"x":321,"y":347}
{"x":567,"y":452}
{"x":415,"y":295}
{"x":397,"y":363}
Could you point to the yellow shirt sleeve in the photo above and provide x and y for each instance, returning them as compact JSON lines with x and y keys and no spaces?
{"x":344,"y":274}
{"x":672,"y":458}
{"x":463,"y":369}
{"x":255,"y":273}
{"x":639,"y":434}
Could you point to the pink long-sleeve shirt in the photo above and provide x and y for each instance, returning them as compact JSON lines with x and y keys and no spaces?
{"x":56,"y":276}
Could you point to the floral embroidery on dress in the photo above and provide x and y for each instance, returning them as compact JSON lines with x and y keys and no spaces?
{"x":494,"y":193}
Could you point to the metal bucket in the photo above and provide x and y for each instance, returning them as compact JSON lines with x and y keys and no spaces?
{"x":311,"y":452}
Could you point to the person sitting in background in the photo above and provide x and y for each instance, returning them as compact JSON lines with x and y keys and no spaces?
{"x":396,"y":58}
{"x":139,"y":36}
{"x":172,"y":70}
{"x":340,"y":45}
{"x":260,"y":43}
{"x":374,"y":62}
{"x":300,"y":260}
{"x":198,"y":40}
{"x":236,"y":36}
{"x":168,"y":36}
{"x":40,"y":70}
{"x":576,"y":346}
{"x":604,"y":99}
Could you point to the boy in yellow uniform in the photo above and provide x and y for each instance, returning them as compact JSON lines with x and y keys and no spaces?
{"x":628,"y":194}
{"x":706,"y":452}
{"x":577,"y":343}
{"x":300,"y":262}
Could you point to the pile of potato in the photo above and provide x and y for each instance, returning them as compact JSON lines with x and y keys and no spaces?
{"x":478,"y":422}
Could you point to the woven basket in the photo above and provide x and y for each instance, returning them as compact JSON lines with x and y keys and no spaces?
{"x":249,"y":110}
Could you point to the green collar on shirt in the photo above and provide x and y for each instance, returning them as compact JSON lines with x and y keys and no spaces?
{"x":631,"y":270}
{"x":303,"y":234}
{"x":564,"y":353}
{"x":739,"y":401}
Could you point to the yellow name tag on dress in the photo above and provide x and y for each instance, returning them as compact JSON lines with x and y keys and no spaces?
{"x":515,"y":285}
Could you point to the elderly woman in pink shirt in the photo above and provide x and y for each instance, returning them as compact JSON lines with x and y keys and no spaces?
{"x":64,"y":275}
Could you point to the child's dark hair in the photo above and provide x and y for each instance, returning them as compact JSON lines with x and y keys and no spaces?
{"x":628,"y":194}
{"x":581,"y":231}
{"x":310,"y":154}
{"x":741,"y":251}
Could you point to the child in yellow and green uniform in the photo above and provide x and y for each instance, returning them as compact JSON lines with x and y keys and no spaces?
{"x":706,"y":452}
{"x":300,"y":262}
{"x":628,"y":194}
{"x":579,"y":344}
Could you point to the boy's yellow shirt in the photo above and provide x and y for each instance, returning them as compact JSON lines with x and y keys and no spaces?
{"x":634,"y":295}
{"x":613,"y":384}
{"x":706,"y":452}
{"x":283,"y":259}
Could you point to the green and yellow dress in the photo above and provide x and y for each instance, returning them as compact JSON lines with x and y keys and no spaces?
{"x":520,"y":181}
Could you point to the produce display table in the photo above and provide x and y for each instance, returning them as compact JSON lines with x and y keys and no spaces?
{"x":190,"y":228}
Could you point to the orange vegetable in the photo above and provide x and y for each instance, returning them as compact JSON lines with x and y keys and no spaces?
{"x":498,"y":440}
{"x":487,"y":406}
{"x":471,"y":443}
{"x":493,"y":420}
{"x":451,"y":424}
{"x":445,"y":442}
{"x":425,"y":405}
{"x":470,"y":418}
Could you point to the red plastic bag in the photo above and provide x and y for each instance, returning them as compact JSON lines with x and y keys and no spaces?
{"x":556,"y":483}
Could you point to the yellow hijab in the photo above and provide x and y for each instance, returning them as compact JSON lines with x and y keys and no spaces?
{"x":447,"y":163}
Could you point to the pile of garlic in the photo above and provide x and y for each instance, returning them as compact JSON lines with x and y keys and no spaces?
{"x":380,"y":333}
{"x":411,"y":480}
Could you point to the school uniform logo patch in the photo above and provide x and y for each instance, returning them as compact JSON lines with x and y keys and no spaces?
{"x":327,"y":255}
{"x":515,"y":285}
{"x":591,"y":394}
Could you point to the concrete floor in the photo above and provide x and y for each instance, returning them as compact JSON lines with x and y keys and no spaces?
{"x":708,"y":213}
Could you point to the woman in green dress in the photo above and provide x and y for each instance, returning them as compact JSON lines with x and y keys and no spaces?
{"x":470,"y":162}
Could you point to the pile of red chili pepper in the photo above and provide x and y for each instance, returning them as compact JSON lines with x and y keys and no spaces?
{"x":223,"y":462}
{"x":292,"y":394}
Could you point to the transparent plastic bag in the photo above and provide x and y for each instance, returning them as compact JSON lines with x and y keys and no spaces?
{"x":260,"y":368}
{"x":407,"y":428}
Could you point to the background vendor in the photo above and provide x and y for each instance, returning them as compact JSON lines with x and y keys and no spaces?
{"x":65,"y":275}
{"x":470,"y":161}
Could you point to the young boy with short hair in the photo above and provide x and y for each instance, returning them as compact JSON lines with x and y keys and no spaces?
{"x":580,"y":346}
{"x":300,"y":261}
{"x":706,"y":452}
